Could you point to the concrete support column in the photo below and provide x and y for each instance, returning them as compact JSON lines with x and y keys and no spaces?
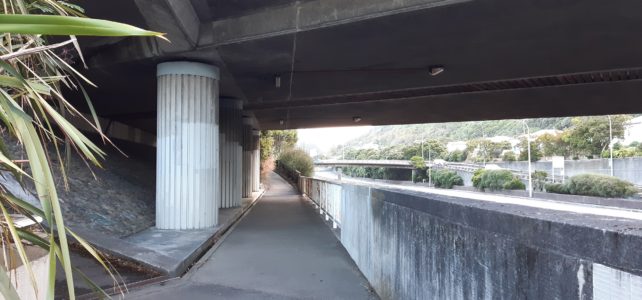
{"x":231,"y":150}
{"x":248,"y":151}
{"x":237,"y":149}
{"x":187,"y":146}
{"x":256,"y":160}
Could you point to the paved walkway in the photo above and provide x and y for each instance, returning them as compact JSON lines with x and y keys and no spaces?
{"x":280,"y":250}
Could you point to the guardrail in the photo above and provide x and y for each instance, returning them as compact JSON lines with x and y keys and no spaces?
{"x":325,"y":194}
{"x":402,"y":164}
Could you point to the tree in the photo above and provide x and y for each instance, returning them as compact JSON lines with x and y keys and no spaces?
{"x":457,"y":156}
{"x":275,"y":142}
{"x":496,"y":149}
{"x":283,"y":140}
{"x":536,"y":153}
{"x":509,"y":156}
{"x":266,"y":145}
{"x":33,"y":110}
{"x":480,"y":148}
{"x":590,"y":135}
{"x":553,"y":145}
{"x":433,"y":149}
{"x":418,"y":162}
{"x":391,"y":153}
{"x":486,"y":150}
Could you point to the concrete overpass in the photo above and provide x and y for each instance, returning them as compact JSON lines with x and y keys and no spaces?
{"x":397,"y":164}
{"x":235,"y":67}
{"x":314,"y":63}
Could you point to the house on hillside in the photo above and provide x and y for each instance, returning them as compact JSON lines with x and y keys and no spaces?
{"x":456,"y":146}
{"x":537,"y":134}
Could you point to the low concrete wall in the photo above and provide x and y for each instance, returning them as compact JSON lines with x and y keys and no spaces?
{"x":20,"y":277}
{"x":629,"y":169}
{"x":413,"y":245}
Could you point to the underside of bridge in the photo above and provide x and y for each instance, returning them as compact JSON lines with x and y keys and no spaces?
{"x":315,"y":63}
{"x":235,"y":67}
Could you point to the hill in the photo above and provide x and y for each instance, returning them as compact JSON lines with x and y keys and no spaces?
{"x":404,"y":134}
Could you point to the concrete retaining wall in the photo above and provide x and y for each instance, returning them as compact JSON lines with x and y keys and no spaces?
{"x":466,"y":176}
{"x":424,"y":246}
{"x":629,"y":169}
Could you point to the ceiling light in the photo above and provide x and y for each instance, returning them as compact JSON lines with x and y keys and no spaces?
{"x":436,"y":70}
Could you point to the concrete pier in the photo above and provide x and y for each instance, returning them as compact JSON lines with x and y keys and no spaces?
{"x":231,"y":150}
{"x":248,"y":152}
{"x":187,"y":146}
{"x":256,"y":160}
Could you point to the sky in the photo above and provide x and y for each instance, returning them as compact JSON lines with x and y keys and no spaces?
{"x":325,"y":138}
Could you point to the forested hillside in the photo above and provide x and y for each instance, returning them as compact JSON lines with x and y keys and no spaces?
{"x":405,"y":134}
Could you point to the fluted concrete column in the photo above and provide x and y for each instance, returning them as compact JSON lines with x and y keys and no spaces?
{"x":231,"y":151}
{"x":238,"y":152}
{"x":187,"y":146}
{"x":248,"y":151}
{"x":256,"y":161}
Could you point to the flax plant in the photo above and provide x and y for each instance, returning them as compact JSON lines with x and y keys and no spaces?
{"x":35,"y":112}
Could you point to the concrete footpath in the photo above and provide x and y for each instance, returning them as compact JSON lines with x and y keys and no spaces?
{"x":280,"y":250}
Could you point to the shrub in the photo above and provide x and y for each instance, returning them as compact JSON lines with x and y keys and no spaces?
{"x":594,"y":185}
{"x":446,"y":179}
{"x":477,"y":178}
{"x":514,"y":184}
{"x":296,"y":160}
{"x":419,"y":173}
{"x":556,"y":188}
{"x":600,"y":186}
{"x":509,"y":156}
{"x":457,"y":156}
{"x":498,"y":180}
{"x":539,"y":180}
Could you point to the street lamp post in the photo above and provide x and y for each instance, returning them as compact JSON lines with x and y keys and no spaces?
{"x":611,"y":143}
{"x":483,"y":144}
{"x":429,"y":166}
{"x":429,"y":159}
{"x":527,"y":131}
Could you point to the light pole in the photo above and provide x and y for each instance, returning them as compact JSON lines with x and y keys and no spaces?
{"x":483,"y":144}
{"x":611,"y":143}
{"x":527,"y":131}
{"x":429,"y":159}
{"x":429,"y":166}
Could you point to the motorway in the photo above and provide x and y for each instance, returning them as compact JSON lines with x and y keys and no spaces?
{"x":597,"y":210}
